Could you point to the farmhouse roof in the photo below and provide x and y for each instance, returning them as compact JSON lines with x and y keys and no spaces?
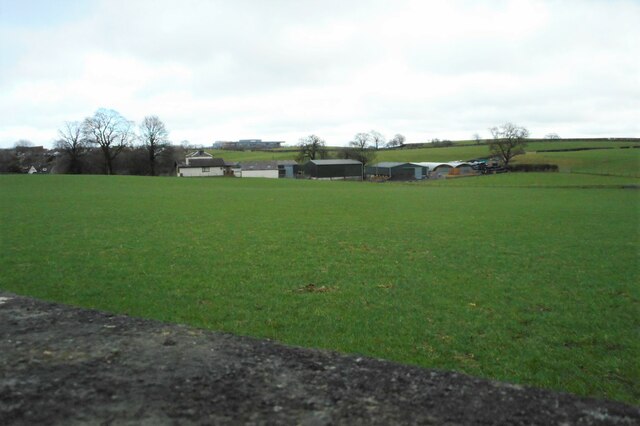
{"x":333,"y":162}
{"x":205,"y":162}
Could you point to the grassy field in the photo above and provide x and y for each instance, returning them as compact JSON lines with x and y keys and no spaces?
{"x":521,"y":277}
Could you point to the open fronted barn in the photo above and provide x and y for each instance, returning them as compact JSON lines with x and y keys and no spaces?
{"x":461,"y":168}
{"x":333,"y":169}
{"x":436,"y":170}
{"x":288,"y":169}
{"x":454,"y":168}
{"x":397,"y":171}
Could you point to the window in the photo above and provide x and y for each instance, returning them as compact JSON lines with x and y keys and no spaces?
{"x":205,"y":170}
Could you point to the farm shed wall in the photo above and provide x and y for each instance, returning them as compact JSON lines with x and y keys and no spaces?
{"x":333,"y":170}
{"x":273,"y":174}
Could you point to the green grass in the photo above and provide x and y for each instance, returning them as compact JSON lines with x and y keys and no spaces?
{"x":616,"y":162}
{"x":526,"y":278}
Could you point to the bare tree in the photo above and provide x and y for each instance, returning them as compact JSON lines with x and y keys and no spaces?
{"x":154,"y":137}
{"x":477,"y":138}
{"x":377,"y":139}
{"x":72,"y":145}
{"x":397,"y":140}
{"x":508,"y":141}
{"x":360,"y":141}
{"x":110,"y":131}
{"x":311,"y":147}
{"x":359,"y":149}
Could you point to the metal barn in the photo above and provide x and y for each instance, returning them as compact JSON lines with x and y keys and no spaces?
{"x":397,"y":171}
{"x":333,"y":169}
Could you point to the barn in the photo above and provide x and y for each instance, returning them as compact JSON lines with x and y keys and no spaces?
{"x":263,"y":169}
{"x":333,"y":169}
{"x":436,"y":170}
{"x":453,"y":168}
{"x":397,"y":171}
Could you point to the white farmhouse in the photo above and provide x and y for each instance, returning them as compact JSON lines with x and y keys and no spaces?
{"x":202,"y":164}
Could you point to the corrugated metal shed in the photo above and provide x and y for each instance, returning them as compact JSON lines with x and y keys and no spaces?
{"x":333,"y":169}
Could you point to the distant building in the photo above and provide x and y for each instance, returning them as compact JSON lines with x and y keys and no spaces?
{"x":247,"y":144}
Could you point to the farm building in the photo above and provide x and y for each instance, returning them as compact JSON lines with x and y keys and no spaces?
{"x":288,"y":168}
{"x":269,"y":169}
{"x":262,"y":169}
{"x":333,"y":169}
{"x":397,"y":171}
{"x":202,"y":164}
{"x":453,"y":168}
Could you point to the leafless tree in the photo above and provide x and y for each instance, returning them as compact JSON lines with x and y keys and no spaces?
{"x":110,"y":131}
{"x":154,"y":137}
{"x":72,"y":144}
{"x":377,"y":139}
{"x":359,"y":149}
{"x":477,"y":138}
{"x":397,"y":140}
{"x":311,"y":147}
{"x":508,"y":141}
{"x":360,"y":141}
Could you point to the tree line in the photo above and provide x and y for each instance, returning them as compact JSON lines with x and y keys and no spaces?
{"x":108,"y":135}
{"x":363,"y":147}
{"x":110,"y":144}
{"x":104,"y":143}
{"x":509,"y":140}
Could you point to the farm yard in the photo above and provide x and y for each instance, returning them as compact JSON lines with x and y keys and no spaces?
{"x":530,"y":278}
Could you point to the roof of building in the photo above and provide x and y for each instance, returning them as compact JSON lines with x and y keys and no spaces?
{"x":389,"y":164}
{"x":199,"y":153}
{"x":204,"y":162}
{"x":287,"y":162}
{"x":259,"y":165}
{"x":433,"y":165}
{"x":334,"y":162}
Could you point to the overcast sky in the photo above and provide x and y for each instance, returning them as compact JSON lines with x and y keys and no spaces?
{"x":281,"y":70}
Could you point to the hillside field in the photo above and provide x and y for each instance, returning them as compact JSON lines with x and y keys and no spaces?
{"x":527,"y":278}
{"x":617,"y":159}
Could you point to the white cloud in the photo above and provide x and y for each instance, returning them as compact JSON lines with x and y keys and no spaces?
{"x":282,"y":70}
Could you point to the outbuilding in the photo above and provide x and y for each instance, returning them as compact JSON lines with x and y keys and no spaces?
{"x":334,"y":169}
{"x":436,"y":170}
{"x":396,"y":171}
{"x":262,"y":169}
{"x":288,"y":169}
